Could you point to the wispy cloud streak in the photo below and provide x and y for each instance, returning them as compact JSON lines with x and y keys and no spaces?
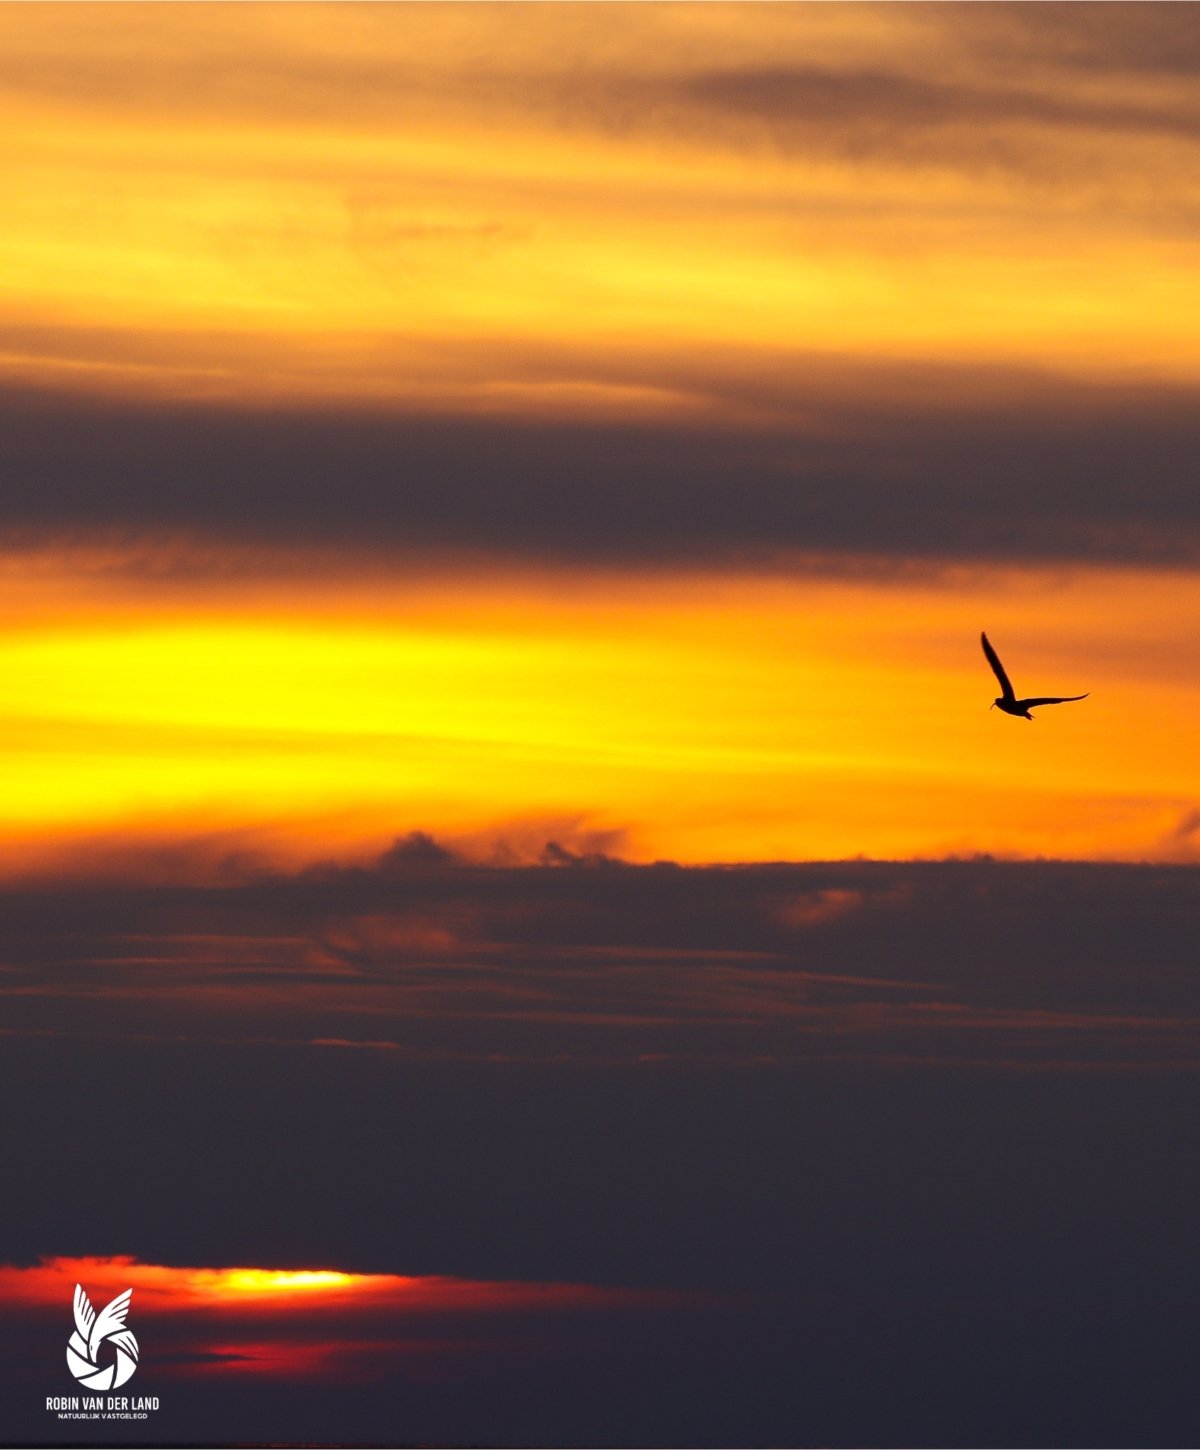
{"x":432,"y":957}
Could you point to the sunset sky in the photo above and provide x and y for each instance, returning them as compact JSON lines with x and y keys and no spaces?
{"x":498,"y":507}
{"x":470,"y":417}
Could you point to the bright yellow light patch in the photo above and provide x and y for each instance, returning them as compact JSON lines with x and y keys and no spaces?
{"x":281,"y":1281}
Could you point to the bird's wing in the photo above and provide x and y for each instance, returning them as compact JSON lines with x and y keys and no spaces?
{"x":111,"y":1317}
{"x":993,"y":659}
{"x":85,"y":1315}
{"x":1053,"y":700}
{"x":124,"y":1339}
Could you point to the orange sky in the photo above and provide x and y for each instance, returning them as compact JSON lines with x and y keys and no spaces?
{"x":552,"y":211}
{"x":506,"y":207}
{"x":671,"y":716}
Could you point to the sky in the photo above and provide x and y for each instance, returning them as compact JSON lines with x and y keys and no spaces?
{"x":474,"y":416}
{"x":504,"y":842}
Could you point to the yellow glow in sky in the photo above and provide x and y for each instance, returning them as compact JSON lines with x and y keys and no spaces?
{"x":698,"y":719}
{"x":281,"y":1281}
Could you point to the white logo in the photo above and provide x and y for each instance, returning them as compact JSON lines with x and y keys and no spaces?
{"x":91,"y":1331}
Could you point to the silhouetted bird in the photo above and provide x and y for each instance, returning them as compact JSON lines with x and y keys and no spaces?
{"x":1008,"y":701}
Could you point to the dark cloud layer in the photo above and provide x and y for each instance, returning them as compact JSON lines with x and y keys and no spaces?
{"x":881,"y":113}
{"x":1120,"y":39}
{"x":930,"y":1129}
{"x":425,"y":953}
{"x":1028,"y":470}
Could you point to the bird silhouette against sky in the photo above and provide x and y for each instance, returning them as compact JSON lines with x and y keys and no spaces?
{"x":1008,"y":701}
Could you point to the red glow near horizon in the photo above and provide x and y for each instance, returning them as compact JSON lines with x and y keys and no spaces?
{"x":306,"y":1322}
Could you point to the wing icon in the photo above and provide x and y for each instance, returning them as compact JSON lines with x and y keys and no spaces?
{"x":110,"y":1319}
{"x":125,"y":1340}
{"x":85,"y":1315}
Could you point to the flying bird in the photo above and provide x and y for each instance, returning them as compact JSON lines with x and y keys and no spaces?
{"x":1008,"y":701}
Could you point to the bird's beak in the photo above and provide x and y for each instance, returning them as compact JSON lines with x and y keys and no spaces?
{"x":992,"y":706}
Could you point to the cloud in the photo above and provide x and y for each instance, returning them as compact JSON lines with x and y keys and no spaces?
{"x":587,"y":956}
{"x":418,"y":848}
{"x":1182,"y":841}
{"x":882,"y":1114}
{"x":904,"y":118}
{"x":1087,"y":39}
{"x":658,"y":77}
{"x":1028,"y":470}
